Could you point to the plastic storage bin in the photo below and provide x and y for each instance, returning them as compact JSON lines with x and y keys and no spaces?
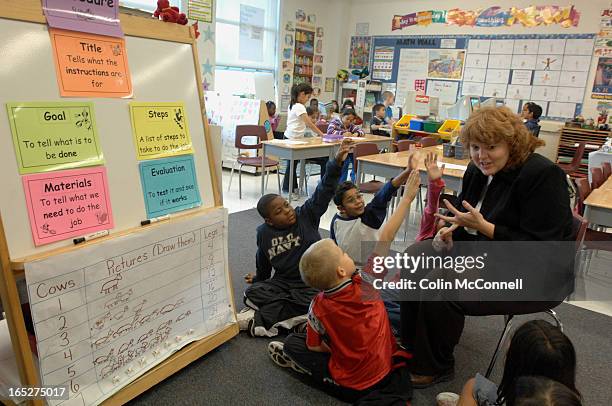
{"x":403,"y":125}
{"x":449,"y":126}
{"x":461,"y":152}
{"x":432,"y":126}
{"x":416,"y":124}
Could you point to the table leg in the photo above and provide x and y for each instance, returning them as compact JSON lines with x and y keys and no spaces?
{"x":302,"y":176}
{"x":263,"y":159}
{"x":291,"y":165}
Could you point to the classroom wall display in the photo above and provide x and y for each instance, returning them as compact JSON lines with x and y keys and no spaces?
{"x":96,"y":17}
{"x":516,"y":68}
{"x":67,"y":204}
{"x":90,"y":65}
{"x":54,"y":135}
{"x":330,"y":84}
{"x":602,"y":84}
{"x":445,"y":64}
{"x":169,"y":185}
{"x":541,"y":68}
{"x":494,"y":16}
{"x":200,"y":10}
{"x":160,"y":129}
{"x":359,"y":56}
{"x":106,"y":314}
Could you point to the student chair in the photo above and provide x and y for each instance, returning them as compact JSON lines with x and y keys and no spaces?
{"x":258,"y":131}
{"x":571,"y":168}
{"x":597,"y":178}
{"x":606,"y":167}
{"x":404,"y":145}
{"x":363,"y":149}
{"x":428,"y":142}
{"x":584,"y":190}
{"x":323,"y":127}
{"x":579,"y":227}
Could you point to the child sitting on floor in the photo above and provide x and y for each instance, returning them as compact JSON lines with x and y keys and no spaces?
{"x":537,"y":348}
{"x":283,"y":300}
{"x":348,"y":346}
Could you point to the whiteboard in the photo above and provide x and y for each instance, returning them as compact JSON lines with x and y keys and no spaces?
{"x":162,"y":71}
{"x":108,"y":312}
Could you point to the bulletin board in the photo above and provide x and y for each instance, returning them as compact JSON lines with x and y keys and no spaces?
{"x":112,"y":289}
{"x":551,"y":70}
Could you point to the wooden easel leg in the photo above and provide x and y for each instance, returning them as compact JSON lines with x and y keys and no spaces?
{"x":14,"y":318}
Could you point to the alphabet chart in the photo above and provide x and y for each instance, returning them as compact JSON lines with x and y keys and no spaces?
{"x":108,"y":312}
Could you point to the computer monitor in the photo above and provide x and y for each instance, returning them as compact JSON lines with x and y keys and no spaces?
{"x":460,"y":110}
{"x":421,"y":105}
{"x":475,"y":102}
{"x":409,"y":106}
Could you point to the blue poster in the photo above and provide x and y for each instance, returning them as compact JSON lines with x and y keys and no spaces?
{"x":169,"y":185}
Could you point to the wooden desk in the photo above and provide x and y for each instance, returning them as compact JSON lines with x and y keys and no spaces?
{"x":598,"y":205}
{"x":300,"y":149}
{"x":391,"y":164}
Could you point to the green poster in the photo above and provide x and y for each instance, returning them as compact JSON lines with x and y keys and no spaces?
{"x":54,"y":135}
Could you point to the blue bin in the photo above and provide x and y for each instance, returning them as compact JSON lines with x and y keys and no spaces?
{"x":416,"y":124}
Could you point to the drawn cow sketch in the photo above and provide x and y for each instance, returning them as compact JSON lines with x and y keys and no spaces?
{"x":111,"y":284}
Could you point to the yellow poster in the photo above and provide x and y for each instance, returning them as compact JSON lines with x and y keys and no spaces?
{"x":160,"y":130}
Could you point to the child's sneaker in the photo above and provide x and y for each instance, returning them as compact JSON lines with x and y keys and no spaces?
{"x":244,"y":316}
{"x":277,"y":353}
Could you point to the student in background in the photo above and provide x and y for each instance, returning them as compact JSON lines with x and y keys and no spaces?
{"x":344,"y":127}
{"x":349,"y":349}
{"x":282,"y":299}
{"x":541,"y":391}
{"x":274,"y":119}
{"x":319,"y":107}
{"x":333,"y":111}
{"x":297,"y":121}
{"x":348,"y":103}
{"x":388,"y":100}
{"x":378,"y":121}
{"x":322,"y":162}
{"x":537,"y":348}
{"x":531,"y":114}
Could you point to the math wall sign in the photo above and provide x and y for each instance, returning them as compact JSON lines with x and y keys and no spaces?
{"x":495,"y":16}
{"x":67,"y":204}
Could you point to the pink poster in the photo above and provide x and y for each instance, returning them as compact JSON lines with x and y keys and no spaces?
{"x":97,"y":17}
{"x":67,"y":204}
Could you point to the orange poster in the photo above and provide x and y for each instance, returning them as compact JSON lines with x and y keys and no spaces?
{"x":90,"y":65}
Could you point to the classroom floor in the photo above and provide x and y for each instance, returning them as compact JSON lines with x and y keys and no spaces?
{"x":599,"y":287}
{"x":240,"y":371}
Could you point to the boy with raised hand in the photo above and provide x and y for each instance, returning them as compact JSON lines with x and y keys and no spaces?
{"x":349,"y":347}
{"x":357,"y":222}
{"x":282,"y":300}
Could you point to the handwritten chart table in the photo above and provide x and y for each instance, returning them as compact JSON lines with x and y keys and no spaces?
{"x":103,"y":322}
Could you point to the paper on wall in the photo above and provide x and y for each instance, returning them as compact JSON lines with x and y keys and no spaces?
{"x":472,"y":88}
{"x":502,"y":46}
{"x":495,"y":90}
{"x":412,"y":66}
{"x":500,"y":61}
{"x":579,"y":46}
{"x":573,"y":79}
{"x":521,"y":77}
{"x":546,"y":78}
{"x":512,"y":104}
{"x":551,"y":46}
{"x":544,"y":93}
{"x":577,"y":63}
{"x":499,"y":76}
{"x":479,"y":46}
{"x":570,"y":94}
{"x":446,"y":91}
{"x":474,"y":75}
{"x":549,"y":62}
{"x":476,"y":61}
{"x":518,"y":92}
{"x":563,"y":110}
{"x":524,"y":61}
{"x":526,"y":46}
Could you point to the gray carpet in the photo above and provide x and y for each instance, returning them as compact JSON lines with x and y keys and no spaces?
{"x":240,"y":372}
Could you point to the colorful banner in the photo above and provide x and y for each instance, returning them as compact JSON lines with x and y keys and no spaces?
{"x":95,"y":17}
{"x":90,"y":65}
{"x":67,"y":204}
{"x":495,"y":16}
{"x":160,"y":130}
{"x":54,"y":135}
{"x":169,"y":185}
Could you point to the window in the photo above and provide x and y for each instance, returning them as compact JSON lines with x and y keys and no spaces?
{"x":246,"y":55}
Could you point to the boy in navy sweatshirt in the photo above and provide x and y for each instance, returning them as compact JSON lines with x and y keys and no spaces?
{"x":282,"y":300}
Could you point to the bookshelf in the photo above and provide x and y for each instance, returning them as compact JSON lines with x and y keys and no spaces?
{"x":570,"y":136}
{"x":303,"y":56}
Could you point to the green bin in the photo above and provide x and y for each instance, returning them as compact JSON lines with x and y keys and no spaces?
{"x":431,"y":126}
